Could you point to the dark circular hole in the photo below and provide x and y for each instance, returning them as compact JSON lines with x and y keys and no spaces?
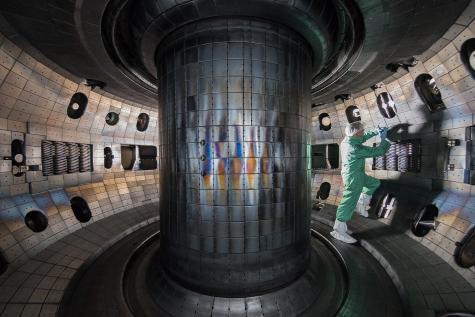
{"x":142,"y":122}
{"x":77,"y":105}
{"x":427,"y":213}
{"x":80,"y":209}
{"x":36,"y":221}
{"x":429,"y":93}
{"x":325,"y":121}
{"x":112,"y":118}
{"x":353,"y":114}
{"x":324,"y":190}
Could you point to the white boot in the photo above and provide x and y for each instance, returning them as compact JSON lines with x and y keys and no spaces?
{"x":362,"y":206}
{"x":339,"y":232}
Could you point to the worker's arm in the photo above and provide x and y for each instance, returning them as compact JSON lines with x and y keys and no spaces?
{"x":363,"y":151}
{"x":369,"y":134}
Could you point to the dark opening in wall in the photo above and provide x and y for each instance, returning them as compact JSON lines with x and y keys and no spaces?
{"x":108,"y":157}
{"x":325,"y":121}
{"x":18,"y":157}
{"x":325,"y":156}
{"x":324,"y":191}
{"x":148,"y":157}
{"x":127,"y":156}
{"x":386,"y":105}
{"x":353,"y":114}
{"x":469,"y":171}
{"x":424,"y":220}
{"x":464,"y":254}
{"x":112,"y":118}
{"x":429,"y":93}
{"x":81,"y":209}
{"x":386,"y":205}
{"x":403,"y":156}
{"x":3,"y":263}
{"x":36,"y":220}
{"x":467,"y":55}
{"x":77,"y":105}
{"x":142,"y":122}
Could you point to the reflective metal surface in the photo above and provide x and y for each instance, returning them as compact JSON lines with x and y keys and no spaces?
{"x":235,"y":173}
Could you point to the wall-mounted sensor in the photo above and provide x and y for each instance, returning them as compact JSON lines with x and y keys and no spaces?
{"x":93,"y":83}
{"x":386,"y":205}
{"x":464,"y":254}
{"x":142,"y":122}
{"x":325,"y":121}
{"x":36,"y":220}
{"x":386,"y":105}
{"x":404,"y":64}
{"x":467,"y":55}
{"x":77,"y":105}
{"x":343,"y":97}
{"x":112,"y":118}
{"x":425,"y":220}
{"x":81,"y":209}
{"x":353,"y":114}
{"x":429,"y":93}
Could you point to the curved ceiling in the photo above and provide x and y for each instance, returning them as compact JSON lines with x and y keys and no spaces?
{"x":69,"y":35}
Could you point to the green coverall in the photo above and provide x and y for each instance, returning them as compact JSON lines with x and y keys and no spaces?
{"x":355,"y":180}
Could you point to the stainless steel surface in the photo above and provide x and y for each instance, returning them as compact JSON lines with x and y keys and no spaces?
{"x":235,"y":166}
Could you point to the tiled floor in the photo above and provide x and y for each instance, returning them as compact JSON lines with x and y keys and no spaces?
{"x":36,"y":288}
{"x":427,"y":283}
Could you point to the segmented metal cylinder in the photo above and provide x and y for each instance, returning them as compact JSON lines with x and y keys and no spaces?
{"x":235,"y":155}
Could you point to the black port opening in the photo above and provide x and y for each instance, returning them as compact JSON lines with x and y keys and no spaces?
{"x":3,"y":263}
{"x":467,"y":55}
{"x":77,"y":105}
{"x":429,"y":93}
{"x":127,"y":156}
{"x":464,"y":254}
{"x":325,"y":156}
{"x":386,"y":105}
{"x":108,"y":157}
{"x":36,"y":220}
{"x":325,"y":121}
{"x":112,"y":118}
{"x":142,"y":122}
{"x":81,"y":209}
{"x":148,"y":157}
{"x":324,"y":191}
{"x":423,"y":220}
{"x":352,"y":114}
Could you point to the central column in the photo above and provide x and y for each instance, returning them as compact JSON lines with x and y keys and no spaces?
{"x":234,"y":107}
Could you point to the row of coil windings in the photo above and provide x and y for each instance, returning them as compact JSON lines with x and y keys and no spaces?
{"x":403,"y":156}
{"x":64,"y":157}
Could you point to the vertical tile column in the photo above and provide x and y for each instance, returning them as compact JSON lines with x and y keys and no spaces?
{"x":234,"y":105}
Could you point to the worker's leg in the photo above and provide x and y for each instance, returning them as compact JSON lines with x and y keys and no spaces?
{"x":348,"y":203}
{"x":370,"y":185}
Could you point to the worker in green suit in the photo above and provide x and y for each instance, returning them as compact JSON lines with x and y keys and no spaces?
{"x":358,"y":187}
